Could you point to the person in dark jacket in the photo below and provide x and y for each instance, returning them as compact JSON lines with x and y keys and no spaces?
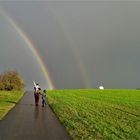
{"x":44,"y":101}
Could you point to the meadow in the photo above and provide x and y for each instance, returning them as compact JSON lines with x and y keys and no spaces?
{"x":98,"y":114}
{"x":8,"y":99}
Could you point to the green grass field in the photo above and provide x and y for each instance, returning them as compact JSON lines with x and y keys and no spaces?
{"x":7,"y":100}
{"x":98,"y":114}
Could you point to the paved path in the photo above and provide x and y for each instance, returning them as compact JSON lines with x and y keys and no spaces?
{"x":25,"y":121}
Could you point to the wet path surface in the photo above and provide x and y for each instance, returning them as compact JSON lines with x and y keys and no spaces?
{"x":26,"y":121}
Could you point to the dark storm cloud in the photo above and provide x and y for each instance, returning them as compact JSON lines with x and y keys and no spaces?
{"x":100,"y":38}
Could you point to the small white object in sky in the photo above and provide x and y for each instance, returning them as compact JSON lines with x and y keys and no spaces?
{"x":101,"y":87}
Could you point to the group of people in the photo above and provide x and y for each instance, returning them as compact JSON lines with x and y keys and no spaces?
{"x":37,"y":93}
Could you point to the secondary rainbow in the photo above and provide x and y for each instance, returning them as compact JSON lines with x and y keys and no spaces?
{"x":82,"y":67}
{"x":31,"y":47}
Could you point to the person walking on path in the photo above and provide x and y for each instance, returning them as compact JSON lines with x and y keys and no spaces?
{"x":37,"y":91}
{"x":44,"y":102}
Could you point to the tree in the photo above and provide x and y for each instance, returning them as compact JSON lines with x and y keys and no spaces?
{"x":1,"y":83}
{"x":11,"y":81}
{"x":1,"y":86}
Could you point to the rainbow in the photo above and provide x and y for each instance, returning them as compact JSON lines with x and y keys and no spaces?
{"x":31,"y":47}
{"x":82,"y":68}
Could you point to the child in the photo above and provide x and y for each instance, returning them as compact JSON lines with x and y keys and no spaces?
{"x":44,"y":103}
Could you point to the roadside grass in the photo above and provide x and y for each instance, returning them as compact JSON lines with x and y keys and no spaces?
{"x":8,"y":99}
{"x":98,"y":114}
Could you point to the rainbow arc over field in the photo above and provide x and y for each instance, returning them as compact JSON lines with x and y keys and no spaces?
{"x":82,"y":67}
{"x":31,"y":47}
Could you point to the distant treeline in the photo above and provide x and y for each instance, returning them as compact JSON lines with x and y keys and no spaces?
{"x":11,"y":81}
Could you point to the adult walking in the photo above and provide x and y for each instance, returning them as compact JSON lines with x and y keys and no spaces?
{"x":37,"y":91}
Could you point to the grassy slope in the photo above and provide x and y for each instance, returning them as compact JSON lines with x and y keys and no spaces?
{"x":7,"y":100}
{"x":96,"y":114}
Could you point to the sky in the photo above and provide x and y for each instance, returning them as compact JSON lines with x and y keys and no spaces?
{"x":83,"y":44}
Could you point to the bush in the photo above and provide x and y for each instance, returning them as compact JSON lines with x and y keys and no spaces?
{"x":11,"y":81}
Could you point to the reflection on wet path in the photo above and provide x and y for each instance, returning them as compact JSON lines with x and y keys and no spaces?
{"x":27,"y":121}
